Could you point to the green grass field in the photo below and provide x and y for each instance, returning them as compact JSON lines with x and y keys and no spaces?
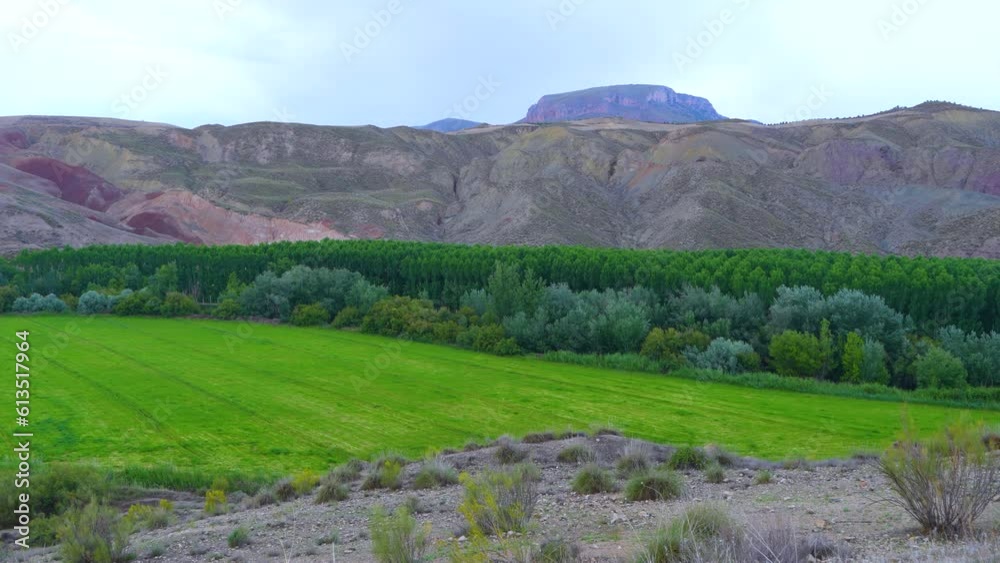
{"x":218,"y":395}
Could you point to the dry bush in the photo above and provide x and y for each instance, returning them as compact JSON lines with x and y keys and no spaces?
{"x":945,"y":482}
{"x":397,"y":538}
{"x":497,"y":502}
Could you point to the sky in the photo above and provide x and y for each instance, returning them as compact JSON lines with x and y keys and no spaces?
{"x":408,"y":62}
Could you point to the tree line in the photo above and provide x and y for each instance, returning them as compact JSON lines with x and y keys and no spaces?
{"x":933,"y":292}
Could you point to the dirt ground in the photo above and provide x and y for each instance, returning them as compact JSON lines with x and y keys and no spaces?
{"x":838,"y":500}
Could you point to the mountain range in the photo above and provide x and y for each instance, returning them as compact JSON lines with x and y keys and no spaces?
{"x":920,"y":180}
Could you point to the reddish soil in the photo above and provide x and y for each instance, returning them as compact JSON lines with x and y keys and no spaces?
{"x":77,"y":184}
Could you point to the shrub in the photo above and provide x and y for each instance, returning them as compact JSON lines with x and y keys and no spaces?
{"x":435,"y":473}
{"x":796,"y":354}
{"x":239,"y":537}
{"x":979,"y":353}
{"x":284,"y":490}
{"x":215,"y":502}
{"x":714,"y":473}
{"x":305,"y":481}
{"x":763,"y":477}
{"x":332,"y":492}
{"x":497,"y":502}
{"x":396,"y":538}
{"x":656,"y":485}
{"x":557,"y":550}
{"x":55,"y":488}
{"x":385,"y":474}
{"x":944,"y":482}
{"x":688,"y":457}
{"x":94,"y":534}
{"x":591,"y":479}
{"x":669,"y":344}
{"x":228,"y":310}
{"x":939,"y":369}
{"x":873,"y":363}
{"x":93,"y":303}
{"x":577,"y":453}
{"x":310,"y":315}
{"x":348,"y":317}
{"x":508,"y":452}
{"x":137,"y":303}
{"x":38,"y":304}
{"x":635,"y":459}
{"x":178,"y":305}
{"x":7,"y":297}
{"x":724,"y":355}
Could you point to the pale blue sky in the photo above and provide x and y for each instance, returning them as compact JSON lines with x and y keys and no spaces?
{"x":191,"y":62}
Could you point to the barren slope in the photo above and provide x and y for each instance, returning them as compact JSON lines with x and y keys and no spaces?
{"x":923,"y":180}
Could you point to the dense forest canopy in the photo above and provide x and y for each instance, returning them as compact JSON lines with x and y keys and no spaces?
{"x":932,"y":291}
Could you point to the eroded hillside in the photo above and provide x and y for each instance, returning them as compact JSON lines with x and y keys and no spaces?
{"x":910,"y":181}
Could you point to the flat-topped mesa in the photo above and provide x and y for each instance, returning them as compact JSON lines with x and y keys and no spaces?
{"x":636,"y":102}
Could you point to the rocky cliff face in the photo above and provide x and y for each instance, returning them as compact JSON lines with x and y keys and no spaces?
{"x":656,"y":104}
{"x":923,"y":180}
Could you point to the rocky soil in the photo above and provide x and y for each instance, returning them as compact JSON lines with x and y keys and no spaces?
{"x":837,"y":502}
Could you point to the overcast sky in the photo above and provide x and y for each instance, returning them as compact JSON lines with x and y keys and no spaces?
{"x":409,"y":62}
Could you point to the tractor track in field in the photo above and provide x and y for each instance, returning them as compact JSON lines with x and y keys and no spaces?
{"x":269,"y":342}
{"x":221,"y":399}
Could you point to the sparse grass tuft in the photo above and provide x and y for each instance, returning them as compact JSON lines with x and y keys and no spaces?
{"x":763,"y":477}
{"x":435,"y":473}
{"x":714,"y":473}
{"x":722,"y":456}
{"x":591,"y":479}
{"x":557,"y":550}
{"x":265,"y":497}
{"x":508,"y":451}
{"x":604,"y":430}
{"x":635,"y":459}
{"x":384,"y":475}
{"x":285,"y":491}
{"x":656,"y":485}
{"x":687,"y":457}
{"x":239,"y":537}
{"x":345,"y":473}
{"x":330,"y":492}
{"x":538,"y":437}
{"x":577,"y":453}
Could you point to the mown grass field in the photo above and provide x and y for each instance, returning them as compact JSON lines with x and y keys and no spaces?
{"x":225,"y":395}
